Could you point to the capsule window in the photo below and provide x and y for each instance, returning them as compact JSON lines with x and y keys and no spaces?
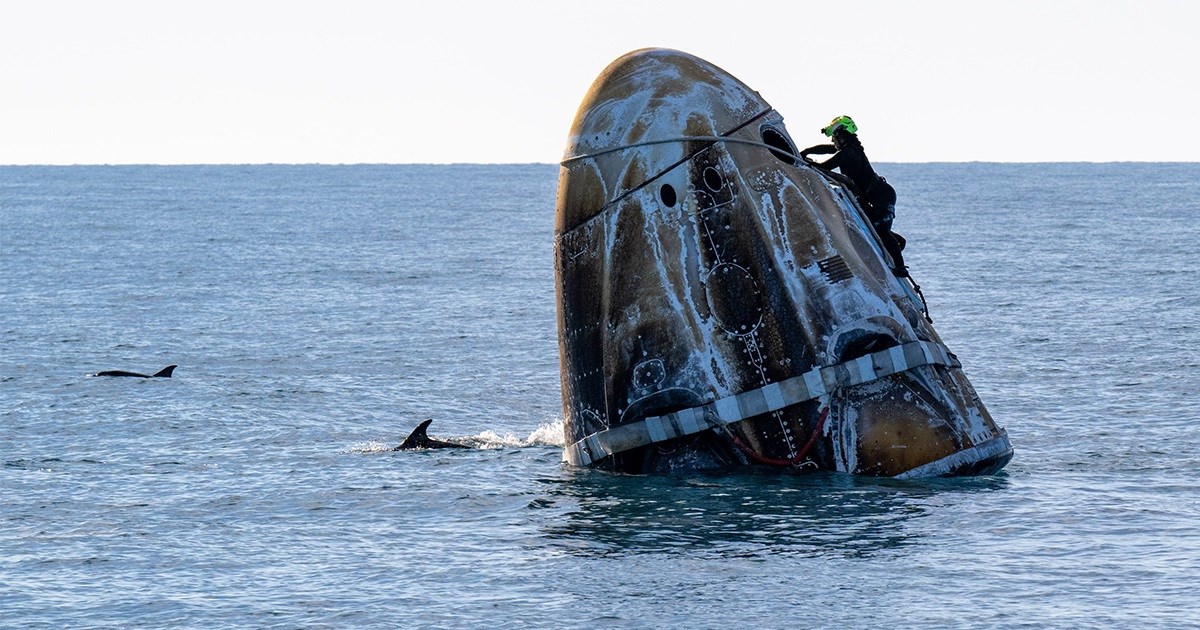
{"x":866,"y":344}
{"x":713,"y":180}
{"x":781,"y":146}
{"x":667,"y":194}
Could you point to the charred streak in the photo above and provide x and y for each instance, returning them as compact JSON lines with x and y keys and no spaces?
{"x":691,"y":154}
{"x":736,"y":254}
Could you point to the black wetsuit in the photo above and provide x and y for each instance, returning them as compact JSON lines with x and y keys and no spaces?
{"x":875,"y":195}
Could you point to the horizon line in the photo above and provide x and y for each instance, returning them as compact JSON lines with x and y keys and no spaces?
{"x":184,"y":164}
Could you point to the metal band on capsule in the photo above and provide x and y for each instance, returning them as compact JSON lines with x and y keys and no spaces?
{"x":772,"y":397}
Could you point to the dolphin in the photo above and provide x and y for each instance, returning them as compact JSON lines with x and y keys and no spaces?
{"x":418,"y":439}
{"x":163,"y":373}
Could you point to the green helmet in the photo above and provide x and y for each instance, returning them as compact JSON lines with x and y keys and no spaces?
{"x":841,"y":122}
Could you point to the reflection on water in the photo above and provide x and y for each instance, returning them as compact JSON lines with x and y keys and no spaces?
{"x":745,"y":514}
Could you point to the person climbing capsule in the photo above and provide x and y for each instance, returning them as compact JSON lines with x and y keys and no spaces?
{"x":874,"y":193}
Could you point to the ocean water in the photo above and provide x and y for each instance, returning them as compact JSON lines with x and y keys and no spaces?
{"x":318,"y":313}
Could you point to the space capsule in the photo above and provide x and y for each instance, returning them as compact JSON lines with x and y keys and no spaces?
{"x":721,"y":303}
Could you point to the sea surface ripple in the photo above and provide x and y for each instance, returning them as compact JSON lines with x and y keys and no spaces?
{"x":318,"y":313}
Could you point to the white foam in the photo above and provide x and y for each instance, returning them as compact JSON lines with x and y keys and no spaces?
{"x":549,"y":434}
{"x":371,"y":447}
{"x":491,"y":439}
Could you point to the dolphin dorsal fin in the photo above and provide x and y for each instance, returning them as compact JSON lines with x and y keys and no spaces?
{"x":418,"y":437}
{"x":165,"y":372}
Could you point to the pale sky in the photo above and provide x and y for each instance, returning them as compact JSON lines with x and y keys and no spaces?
{"x":448,"y":81}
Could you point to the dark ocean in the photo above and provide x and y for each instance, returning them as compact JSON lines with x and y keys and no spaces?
{"x":318,"y":313}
